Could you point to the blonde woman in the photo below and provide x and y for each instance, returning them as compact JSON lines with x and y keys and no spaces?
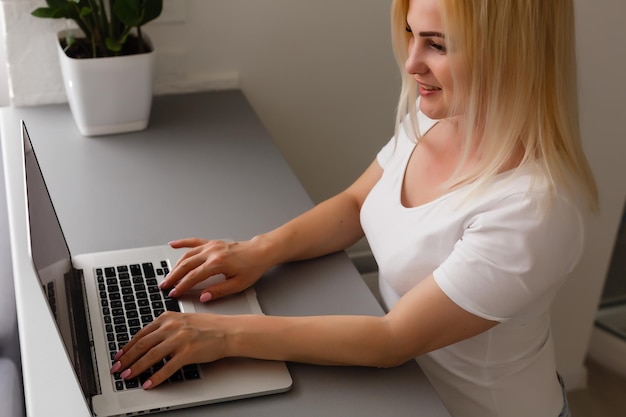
{"x":473,"y":212}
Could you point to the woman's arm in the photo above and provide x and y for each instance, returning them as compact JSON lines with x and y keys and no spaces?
{"x":331,"y":226}
{"x":423,"y":320}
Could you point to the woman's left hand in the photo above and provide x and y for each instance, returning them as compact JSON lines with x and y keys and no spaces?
{"x":183,"y":338}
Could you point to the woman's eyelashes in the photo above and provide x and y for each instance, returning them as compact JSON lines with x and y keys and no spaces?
{"x":437,"y":47}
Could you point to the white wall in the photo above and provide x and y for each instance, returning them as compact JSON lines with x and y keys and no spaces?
{"x":319,"y":73}
{"x":322,"y":78}
{"x":4,"y":77}
{"x":601,"y":37}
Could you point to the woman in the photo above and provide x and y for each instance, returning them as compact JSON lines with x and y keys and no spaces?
{"x":472,"y":212}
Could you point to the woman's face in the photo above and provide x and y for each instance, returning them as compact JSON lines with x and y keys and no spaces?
{"x":428,"y":59}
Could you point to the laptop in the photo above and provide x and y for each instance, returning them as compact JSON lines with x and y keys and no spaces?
{"x":100,"y":300}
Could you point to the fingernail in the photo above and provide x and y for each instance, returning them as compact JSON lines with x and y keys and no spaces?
{"x":147,"y":384}
{"x":125,"y":374}
{"x":116,"y":367}
{"x":172,"y":293}
{"x":118,"y":355}
{"x":206,"y":297}
{"x":160,"y":284}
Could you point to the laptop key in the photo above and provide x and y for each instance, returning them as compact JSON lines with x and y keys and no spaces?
{"x":177,"y":377}
{"x":148,"y":270}
{"x":191,"y":372}
{"x":172,"y":305}
{"x":135,"y":270}
{"x":131,"y":383}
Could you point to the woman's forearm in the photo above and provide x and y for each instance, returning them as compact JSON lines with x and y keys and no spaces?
{"x":319,"y":340}
{"x":331,"y":226}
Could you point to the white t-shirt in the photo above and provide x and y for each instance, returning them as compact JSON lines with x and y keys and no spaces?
{"x":501,"y":254}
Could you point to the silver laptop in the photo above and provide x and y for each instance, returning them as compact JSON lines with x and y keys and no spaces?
{"x":100,"y":300}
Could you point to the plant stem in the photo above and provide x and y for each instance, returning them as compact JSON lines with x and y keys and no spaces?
{"x":140,"y":40}
{"x":97,"y":39}
{"x":104,"y":21}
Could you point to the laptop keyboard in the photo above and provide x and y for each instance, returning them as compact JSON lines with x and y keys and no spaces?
{"x":51,"y":294}
{"x":130,"y":299}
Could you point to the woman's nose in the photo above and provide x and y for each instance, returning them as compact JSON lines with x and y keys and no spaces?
{"x":414,"y":63}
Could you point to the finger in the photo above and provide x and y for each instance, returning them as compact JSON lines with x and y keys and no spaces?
{"x":199,"y":269}
{"x":162,"y":375}
{"x":134,"y":350}
{"x":148,"y":347}
{"x":183,"y":267}
{"x":190,"y":242}
{"x":141,"y":334}
{"x":194,"y":249}
{"x":153,"y":358}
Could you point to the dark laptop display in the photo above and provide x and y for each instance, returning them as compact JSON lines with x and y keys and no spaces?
{"x":52,"y":260}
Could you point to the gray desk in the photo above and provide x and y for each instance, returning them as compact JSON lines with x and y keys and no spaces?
{"x":205,"y":167}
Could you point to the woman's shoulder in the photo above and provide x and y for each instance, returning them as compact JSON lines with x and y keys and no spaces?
{"x":523,"y":192}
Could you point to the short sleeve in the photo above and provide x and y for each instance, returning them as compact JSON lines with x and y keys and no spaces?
{"x":385,"y":154}
{"x":512,"y":254}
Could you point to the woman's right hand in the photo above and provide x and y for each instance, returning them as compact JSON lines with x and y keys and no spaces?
{"x":240,"y":262}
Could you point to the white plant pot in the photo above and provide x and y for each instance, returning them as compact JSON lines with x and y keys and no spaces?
{"x":109,"y":95}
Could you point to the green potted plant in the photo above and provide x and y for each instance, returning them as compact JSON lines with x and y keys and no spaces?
{"x":107,"y":63}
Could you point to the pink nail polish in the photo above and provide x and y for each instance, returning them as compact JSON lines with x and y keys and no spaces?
{"x":116,"y":367}
{"x":147,"y":384}
{"x":125,"y":374}
{"x":118,"y":355}
{"x":207,"y":296}
{"x":172,"y":293}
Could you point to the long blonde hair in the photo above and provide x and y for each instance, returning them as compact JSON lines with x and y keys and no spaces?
{"x":518,"y":87}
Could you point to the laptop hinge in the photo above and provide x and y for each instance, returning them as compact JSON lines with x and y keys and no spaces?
{"x":82,"y":337}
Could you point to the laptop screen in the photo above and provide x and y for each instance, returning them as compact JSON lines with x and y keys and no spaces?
{"x":61,"y":283}
{"x":48,"y":246}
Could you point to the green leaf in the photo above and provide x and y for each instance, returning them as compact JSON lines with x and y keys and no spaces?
{"x":137,"y":12}
{"x":70,"y":39}
{"x":45,"y":12}
{"x":57,"y":9}
{"x":113,"y":45}
{"x":153,"y":10}
{"x":128,"y":12}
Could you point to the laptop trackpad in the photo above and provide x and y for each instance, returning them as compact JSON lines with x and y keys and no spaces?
{"x":241,"y":303}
